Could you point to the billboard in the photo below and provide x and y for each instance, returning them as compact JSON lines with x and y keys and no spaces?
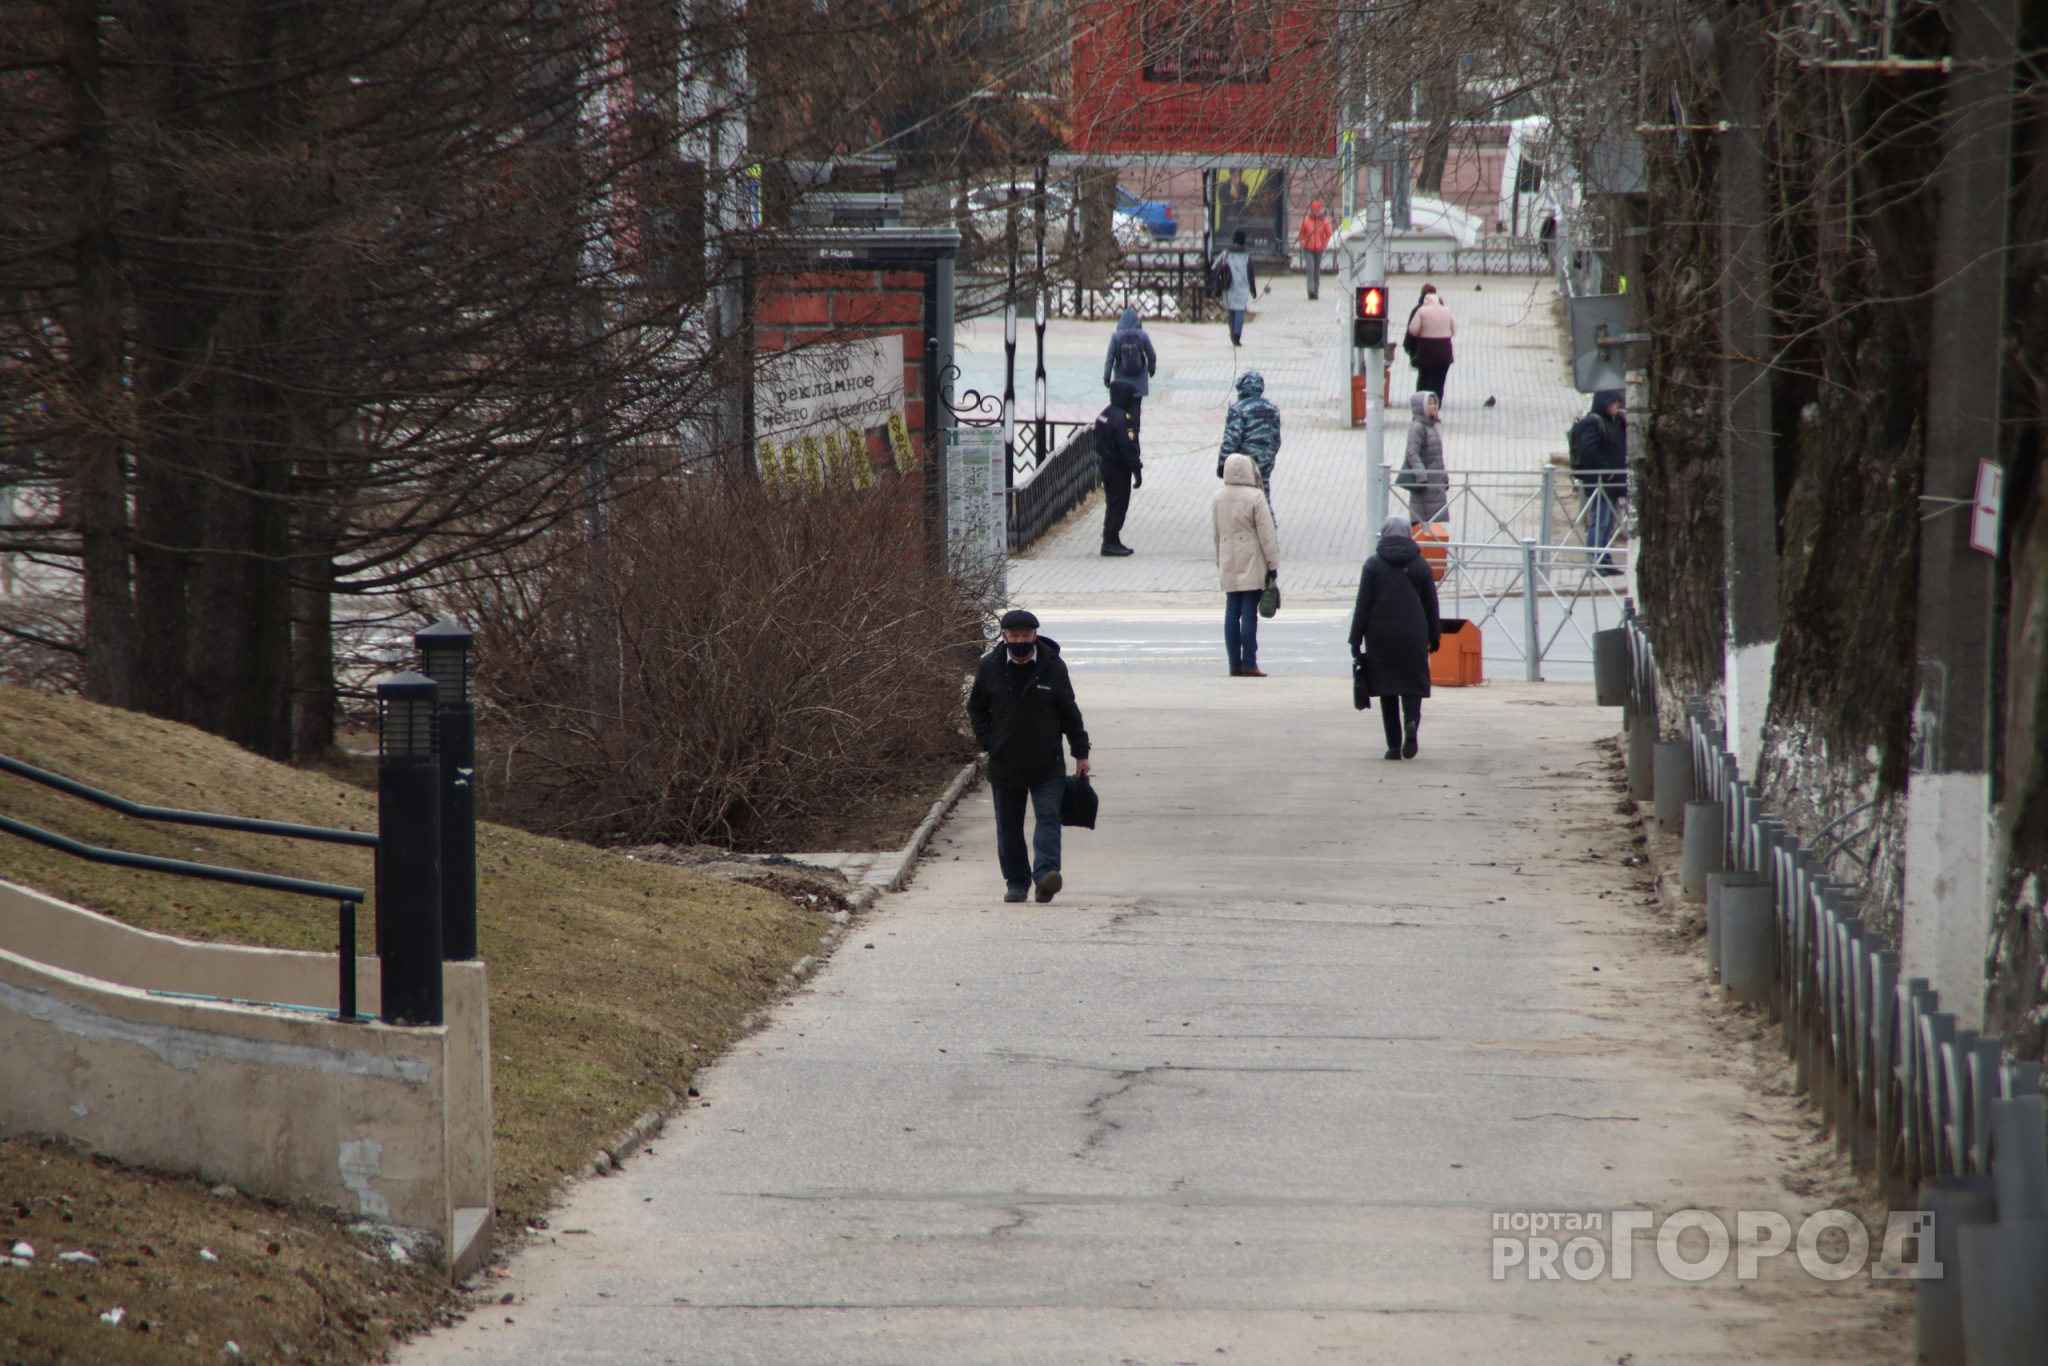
{"x":1203,"y":77}
{"x":1253,"y":201}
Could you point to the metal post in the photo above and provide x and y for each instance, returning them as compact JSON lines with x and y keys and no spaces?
{"x":1040,"y":451}
{"x":1549,"y":503}
{"x":447,"y":657}
{"x":1532,"y":639}
{"x":409,"y":851}
{"x":347,"y":954}
{"x":1375,"y":271}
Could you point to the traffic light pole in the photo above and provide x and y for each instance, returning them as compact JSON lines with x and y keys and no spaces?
{"x":1373,"y":268}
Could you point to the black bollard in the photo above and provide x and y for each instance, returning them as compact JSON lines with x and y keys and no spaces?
{"x":447,"y":657}
{"x":409,"y":852}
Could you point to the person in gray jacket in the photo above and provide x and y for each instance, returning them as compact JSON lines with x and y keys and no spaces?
{"x":1132,"y":360}
{"x":1422,"y":472}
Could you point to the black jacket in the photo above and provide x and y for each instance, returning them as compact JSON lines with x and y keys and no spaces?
{"x":1397,"y":619}
{"x":1020,"y":711}
{"x":1114,"y":441}
{"x":1600,"y":448}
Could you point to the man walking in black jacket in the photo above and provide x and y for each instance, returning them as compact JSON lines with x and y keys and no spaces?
{"x":1021,"y":703}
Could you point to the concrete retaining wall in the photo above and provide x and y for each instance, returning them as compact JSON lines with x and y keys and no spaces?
{"x":188,"y":1056}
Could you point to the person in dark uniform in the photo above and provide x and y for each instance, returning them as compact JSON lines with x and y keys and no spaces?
{"x":1116,"y":447}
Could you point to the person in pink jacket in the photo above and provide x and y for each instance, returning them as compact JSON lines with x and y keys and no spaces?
{"x":1428,"y":343}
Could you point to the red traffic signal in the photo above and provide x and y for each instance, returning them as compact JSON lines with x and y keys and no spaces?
{"x":1372,"y":302}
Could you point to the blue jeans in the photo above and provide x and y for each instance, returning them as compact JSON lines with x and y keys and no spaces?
{"x":1045,"y":798}
{"x":1241,"y":629}
{"x":1600,"y":520}
{"x":1236,"y":323}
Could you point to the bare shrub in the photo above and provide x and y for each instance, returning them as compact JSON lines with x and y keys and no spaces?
{"x":730,"y":670}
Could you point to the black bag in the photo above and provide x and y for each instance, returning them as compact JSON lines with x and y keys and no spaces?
{"x":1219,"y":280}
{"x":1078,"y":804}
{"x":1361,"y":692}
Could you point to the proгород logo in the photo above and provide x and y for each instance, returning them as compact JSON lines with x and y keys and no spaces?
{"x":1695,"y":1244}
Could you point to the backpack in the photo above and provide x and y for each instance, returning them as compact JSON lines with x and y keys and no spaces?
{"x":1574,"y":448}
{"x":1130,"y":353}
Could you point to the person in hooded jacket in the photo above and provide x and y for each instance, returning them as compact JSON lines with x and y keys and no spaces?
{"x":1252,"y":427}
{"x":1430,"y":328}
{"x":1021,"y":703}
{"x":1116,"y":450}
{"x":1422,"y":472}
{"x":1247,"y":559}
{"x":1396,"y":626}
{"x":1315,"y":240}
{"x":1243,"y":284}
{"x":1600,"y":466}
{"x":1131,"y":359}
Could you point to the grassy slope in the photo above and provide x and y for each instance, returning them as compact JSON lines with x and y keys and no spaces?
{"x":611,"y":980}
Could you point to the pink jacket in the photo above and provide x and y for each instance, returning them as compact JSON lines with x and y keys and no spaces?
{"x":1432,"y":321}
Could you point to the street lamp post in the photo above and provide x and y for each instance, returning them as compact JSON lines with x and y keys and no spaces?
{"x":448,"y":656}
{"x":408,"y":851}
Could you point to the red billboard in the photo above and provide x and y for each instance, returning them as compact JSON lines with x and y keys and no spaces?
{"x":1235,"y":78}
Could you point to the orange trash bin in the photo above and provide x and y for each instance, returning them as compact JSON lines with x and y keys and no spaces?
{"x":1358,"y":400}
{"x":1434,"y":542}
{"x":1457,"y":662}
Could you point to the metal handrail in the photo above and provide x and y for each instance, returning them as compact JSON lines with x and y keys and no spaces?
{"x":173,"y":816}
{"x":348,"y":898}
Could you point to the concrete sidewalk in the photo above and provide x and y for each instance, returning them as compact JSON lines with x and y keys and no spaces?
{"x":1252,"y":1089}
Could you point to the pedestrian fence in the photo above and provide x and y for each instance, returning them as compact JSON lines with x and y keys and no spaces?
{"x":1933,"y":1109}
{"x":1507,"y":507}
{"x":1054,"y":487}
{"x":1503,"y":258}
{"x":1535,"y":597}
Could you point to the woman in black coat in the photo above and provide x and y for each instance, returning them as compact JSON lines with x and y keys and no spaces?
{"x":1397,"y":623}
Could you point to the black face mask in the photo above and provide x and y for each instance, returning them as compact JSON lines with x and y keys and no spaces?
{"x":1020,"y":650}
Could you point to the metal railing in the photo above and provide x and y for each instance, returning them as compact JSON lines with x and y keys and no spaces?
{"x":1164,"y":286}
{"x":1506,"y":508}
{"x":347,"y":899}
{"x":1505,"y":258}
{"x":1536,"y":593}
{"x":1903,"y":1088}
{"x":1057,"y":486}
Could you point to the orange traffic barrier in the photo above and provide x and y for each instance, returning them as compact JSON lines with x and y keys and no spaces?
{"x":1457,"y":663}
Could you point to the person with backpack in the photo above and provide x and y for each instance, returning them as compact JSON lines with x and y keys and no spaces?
{"x":1396,"y":628}
{"x":1252,"y":428}
{"x":1315,"y":240}
{"x":1232,"y":281}
{"x":1599,"y":463}
{"x":1131,"y":359}
{"x":1116,"y":449}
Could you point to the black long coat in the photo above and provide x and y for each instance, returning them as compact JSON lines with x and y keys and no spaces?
{"x":1396,"y":618}
{"x":1020,"y":711}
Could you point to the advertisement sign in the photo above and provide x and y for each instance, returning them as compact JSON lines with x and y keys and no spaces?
{"x":829,"y":388}
{"x":1253,"y":201}
{"x":977,"y":508}
{"x":1203,"y":77}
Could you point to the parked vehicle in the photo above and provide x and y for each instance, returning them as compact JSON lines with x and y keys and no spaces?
{"x":1139,"y":223}
{"x":1157,"y":218}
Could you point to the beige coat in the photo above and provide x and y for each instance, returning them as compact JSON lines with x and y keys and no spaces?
{"x":1246,"y":543}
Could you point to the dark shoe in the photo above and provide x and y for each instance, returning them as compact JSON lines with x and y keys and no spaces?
{"x":1252,"y":673}
{"x":1048,"y":886}
{"x":1117,"y":549}
{"x":1393,"y":754}
{"x":1017,"y":893}
{"x":1608,"y":571}
{"x":1408,"y":746}
{"x":1237,"y":673}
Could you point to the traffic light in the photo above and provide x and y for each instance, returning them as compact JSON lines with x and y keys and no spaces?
{"x":1369,"y":328}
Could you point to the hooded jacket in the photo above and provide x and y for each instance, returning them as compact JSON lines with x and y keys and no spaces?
{"x":1600,"y":445}
{"x":1247,"y":544}
{"x":1429,"y":487}
{"x":1253,"y":426}
{"x":1019,"y":712}
{"x":1315,"y":230}
{"x":1396,"y":619}
{"x":1115,"y":442}
{"x":1141,"y":381}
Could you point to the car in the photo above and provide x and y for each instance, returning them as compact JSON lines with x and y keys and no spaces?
{"x":1157,"y":218}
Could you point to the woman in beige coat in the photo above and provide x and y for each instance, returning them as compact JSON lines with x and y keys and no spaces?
{"x":1247,"y":559}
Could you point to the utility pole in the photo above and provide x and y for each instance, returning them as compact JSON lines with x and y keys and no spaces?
{"x":1948,"y":787}
{"x":1371,"y":268}
{"x":1749,"y":500}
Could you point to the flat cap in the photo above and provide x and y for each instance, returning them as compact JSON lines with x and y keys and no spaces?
{"x":1017,"y":619}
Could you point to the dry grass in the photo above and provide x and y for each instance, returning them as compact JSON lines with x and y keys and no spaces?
{"x":611,"y":980}
{"x":288,"y":1285}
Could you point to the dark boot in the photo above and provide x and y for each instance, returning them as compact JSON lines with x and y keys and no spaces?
{"x":1114,"y":548}
{"x":1408,"y":741}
